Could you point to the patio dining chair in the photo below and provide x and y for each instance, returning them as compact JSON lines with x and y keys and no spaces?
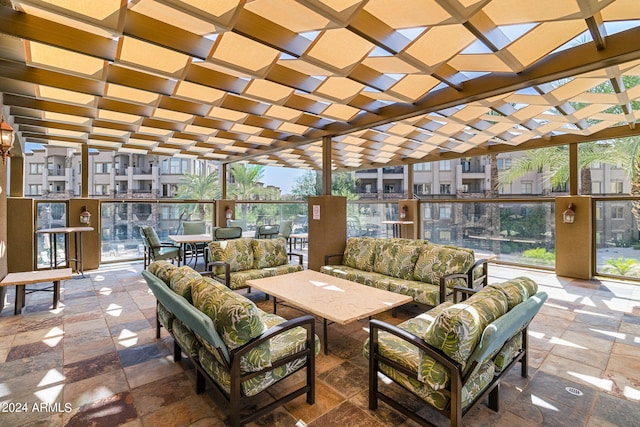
{"x":267,"y":231}
{"x":227,"y":233}
{"x":155,"y":249}
{"x":195,"y":249}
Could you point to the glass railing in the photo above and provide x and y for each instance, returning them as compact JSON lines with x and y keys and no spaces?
{"x":510,"y":231}
{"x":252,"y":214}
{"x":121,"y":222}
{"x":50,"y":215}
{"x":617,"y":244}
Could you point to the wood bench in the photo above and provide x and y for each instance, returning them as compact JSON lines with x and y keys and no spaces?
{"x":20,"y":280}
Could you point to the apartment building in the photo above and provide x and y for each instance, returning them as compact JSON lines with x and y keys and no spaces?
{"x":54,"y":173}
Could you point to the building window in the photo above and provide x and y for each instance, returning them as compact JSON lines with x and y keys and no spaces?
{"x":445,"y":235}
{"x":389,"y":188}
{"x":101,"y":168}
{"x":444,"y":165}
{"x":36,"y":168}
{"x":596,"y":187}
{"x":445,"y":188}
{"x":616,"y":187}
{"x":503,"y":164}
{"x":422,"y":189}
{"x":617,"y":212}
{"x":102,"y":189}
{"x":598,"y":212}
{"x":505,"y":188}
{"x":427,"y":213}
{"x":35,"y":189}
{"x":527,"y":187}
{"x":445,"y":212}
{"x":427,"y":235}
{"x":422,"y":167}
{"x":465,"y":188}
{"x":596,"y":165}
{"x":175,"y":166}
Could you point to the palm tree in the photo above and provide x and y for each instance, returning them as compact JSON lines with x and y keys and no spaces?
{"x":198,"y":187}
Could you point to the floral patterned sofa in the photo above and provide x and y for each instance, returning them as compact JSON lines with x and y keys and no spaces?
{"x":455,"y":354}
{"x":234,"y":345}
{"x":426,"y":272}
{"x":235,"y":261}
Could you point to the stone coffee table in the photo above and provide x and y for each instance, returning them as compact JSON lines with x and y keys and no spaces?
{"x":328,"y":297}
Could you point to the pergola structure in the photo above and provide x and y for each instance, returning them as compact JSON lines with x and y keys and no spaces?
{"x":265,"y":81}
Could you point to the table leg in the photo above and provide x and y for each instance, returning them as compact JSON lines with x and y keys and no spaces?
{"x":274,"y":304}
{"x":326,"y":339}
{"x":56,"y":293}
{"x":19,"y":302}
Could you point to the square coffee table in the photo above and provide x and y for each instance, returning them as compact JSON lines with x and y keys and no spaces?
{"x":328,"y":297}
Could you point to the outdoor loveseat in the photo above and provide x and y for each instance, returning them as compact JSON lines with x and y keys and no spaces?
{"x":234,"y":345}
{"x":426,"y":272}
{"x":233,"y":262}
{"x":455,"y":354}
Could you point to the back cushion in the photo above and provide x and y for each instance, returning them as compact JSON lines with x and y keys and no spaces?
{"x":517,"y":290}
{"x":436,"y":261}
{"x":151,"y":235}
{"x":162,"y":270}
{"x":269,"y":252}
{"x":238,"y":253}
{"x":457,"y":329}
{"x":235,"y":318}
{"x":360,"y":252}
{"x":396,"y":259}
{"x":182,"y":278}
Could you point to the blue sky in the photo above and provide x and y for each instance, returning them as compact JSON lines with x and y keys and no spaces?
{"x":285,"y":178}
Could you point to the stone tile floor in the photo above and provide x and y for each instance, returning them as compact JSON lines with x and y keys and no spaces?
{"x":95,"y":361}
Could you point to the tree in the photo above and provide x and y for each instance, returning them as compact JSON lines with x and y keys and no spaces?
{"x":306,"y":185}
{"x":198,"y":187}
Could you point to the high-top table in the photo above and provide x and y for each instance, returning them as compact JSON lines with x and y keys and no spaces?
{"x":328,"y":297}
{"x":53,"y":245}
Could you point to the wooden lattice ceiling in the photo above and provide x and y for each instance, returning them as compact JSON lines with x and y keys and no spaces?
{"x":391,"y":82}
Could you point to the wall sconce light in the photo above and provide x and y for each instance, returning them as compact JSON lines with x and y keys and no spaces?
{"x":569,"y":215}
{"x":6,"y":138}
{"x":403,"y":211}
{"x":228,"y":212}
{"x":85,"y":216}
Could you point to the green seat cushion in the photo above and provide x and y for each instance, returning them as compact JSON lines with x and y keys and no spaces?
{"x":238,"y":253}
{"x":436,"y":261}
{"x":360,"y":252}
{"x":396,"y":259}
{"x":186,"y":339}
{"x":165,"y":317}
{"x":269,"y":252}
{"x":238,"y":279}
{"x":424,"y":293}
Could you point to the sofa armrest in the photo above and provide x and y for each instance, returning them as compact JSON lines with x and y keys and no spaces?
{"x":481,"y":265}
{"x":445,"y":279}
{"x":464,"y":293}
{"x":328,"y":257}
{"x":375,"y":326}
{"x":306,"y":321}
{"x":290,"y":254}
{"x":227,"y":270}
